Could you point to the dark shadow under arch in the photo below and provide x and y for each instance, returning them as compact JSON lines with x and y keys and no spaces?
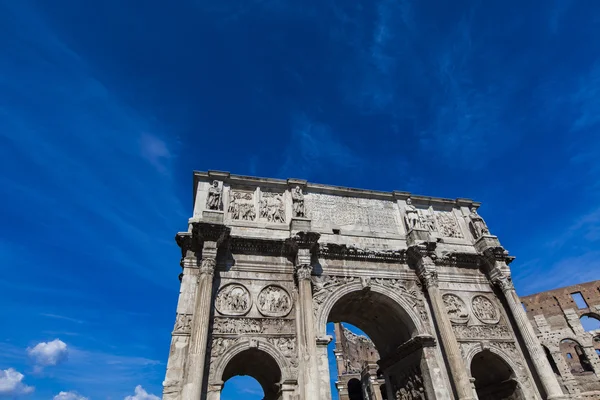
{"x":494,"y":378}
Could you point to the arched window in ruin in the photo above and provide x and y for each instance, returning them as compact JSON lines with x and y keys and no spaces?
{"x":494,"y":378}
{"x":590,"y":322}
{"x":575,"y":356}
{"x":259,"y":365}
{"x":355,"y":390}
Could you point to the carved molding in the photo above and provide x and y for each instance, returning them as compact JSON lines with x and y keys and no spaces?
{"x":274,"y":301}
{"x":233,"y":299}
{"x":342,"y":251}
{"x":242,"y":245}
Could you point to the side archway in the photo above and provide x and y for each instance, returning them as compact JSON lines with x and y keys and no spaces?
{"x":494,"y":378}
{"x":257,"y":359}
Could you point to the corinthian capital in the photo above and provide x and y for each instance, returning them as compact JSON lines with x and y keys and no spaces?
{"x":429,"y":279}
{"x":303,"y":272}
{"x":207,"y":266}
{"x":502,"y":281}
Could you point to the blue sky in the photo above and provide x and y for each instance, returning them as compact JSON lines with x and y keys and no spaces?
{"x":106,"y":108}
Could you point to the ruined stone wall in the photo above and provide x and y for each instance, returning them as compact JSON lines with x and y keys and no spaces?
{"x":572,"y":350}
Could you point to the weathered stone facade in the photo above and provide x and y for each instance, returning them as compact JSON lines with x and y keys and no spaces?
{"x":573,"y":353}
{"x":267,"y":263}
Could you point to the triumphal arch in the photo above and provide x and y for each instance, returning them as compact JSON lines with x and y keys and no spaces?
{"x":267,"y":263}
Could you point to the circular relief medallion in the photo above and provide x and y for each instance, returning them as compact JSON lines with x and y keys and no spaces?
{"x":456,"y":308}
{"x":274,"y":301}
{"x":233,"y":299}
{"x":484,"y":310}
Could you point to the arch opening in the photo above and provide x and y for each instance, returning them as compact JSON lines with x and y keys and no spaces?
{"x":494,"y":378}
{"x":259,"y":365}
{"x":591,"y":323}
{"x":369,"y":327}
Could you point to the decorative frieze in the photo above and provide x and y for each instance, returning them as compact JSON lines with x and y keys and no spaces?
{"x":345,"y":252}
{"x":233,"y":299}
{"x":464,"y":332}
{"x":253,"y":325}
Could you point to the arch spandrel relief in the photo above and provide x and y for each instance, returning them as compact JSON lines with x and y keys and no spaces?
{"x":233,"y":299}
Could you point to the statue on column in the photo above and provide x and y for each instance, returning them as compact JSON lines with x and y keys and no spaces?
{"x":213,"y":202}
{"x":478,"y":224}
{"x":298,"y":202}
{"x":413,"y":221}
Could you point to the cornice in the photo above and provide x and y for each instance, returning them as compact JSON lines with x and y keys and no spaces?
{"x":342,"y":251}
{"x":243,"y":180}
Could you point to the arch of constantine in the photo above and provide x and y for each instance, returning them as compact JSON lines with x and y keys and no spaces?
{"x":267,"y":263}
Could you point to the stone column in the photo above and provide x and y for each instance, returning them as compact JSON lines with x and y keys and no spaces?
{"x":422,"y":254}
{"x":185,"y":309}
{"x":302,"y":243}
{"x":210,"y":235}
{"x":499,"y":274}
{"x":323,"y":361}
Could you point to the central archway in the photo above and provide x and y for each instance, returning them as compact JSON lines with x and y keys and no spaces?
{"x":494,"y":378}
{"x":394,"y":320}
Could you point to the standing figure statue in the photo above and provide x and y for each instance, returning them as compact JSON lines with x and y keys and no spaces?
{"x":478,"y":224}
{"x":298,"y":202}
{"x":213,"y":202}
{"x":412,"y":216}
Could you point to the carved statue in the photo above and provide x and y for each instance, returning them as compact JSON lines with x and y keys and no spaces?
{"x":412,"y":216}
{"x":478,"y":225}
{"x":298,"y":202}
{"x":213,"y":202}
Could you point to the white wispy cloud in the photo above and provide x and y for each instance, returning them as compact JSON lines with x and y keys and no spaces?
{"x":11,"y":383}
{"x":69,"y":396}
{"x":46,"y":354}
{"x":141,"y":394}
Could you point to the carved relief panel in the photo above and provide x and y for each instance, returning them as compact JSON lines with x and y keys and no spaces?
{"x":274,"y":301}
{"x":233,"y":299}
{"x":456,"y":308}
{"x":447,"y":224}
{"x":241,"y":205}
{"x":236,"y":326}
{"x":484,"y":310}
{"x":272,"y":207}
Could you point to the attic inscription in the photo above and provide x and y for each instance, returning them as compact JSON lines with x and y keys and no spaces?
{"x":325,"y":209}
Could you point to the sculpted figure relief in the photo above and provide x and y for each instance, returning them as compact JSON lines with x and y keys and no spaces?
{"x":411,"y":387}
{"x":428,"y":220}
{"x":456,"y":308}
{"x":183,"y":323}
{"x":214,"y":202}
{"x":274,"y":301}
{"x":233,"y":299}
{"x":272,"y":207}
{"x":412,"y":216}
{"x":241,"y":206}
{"x":484,"y":310}
{"x":478,"y":225}
{"x":448,"y":224}
{"x":298,"y":202}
